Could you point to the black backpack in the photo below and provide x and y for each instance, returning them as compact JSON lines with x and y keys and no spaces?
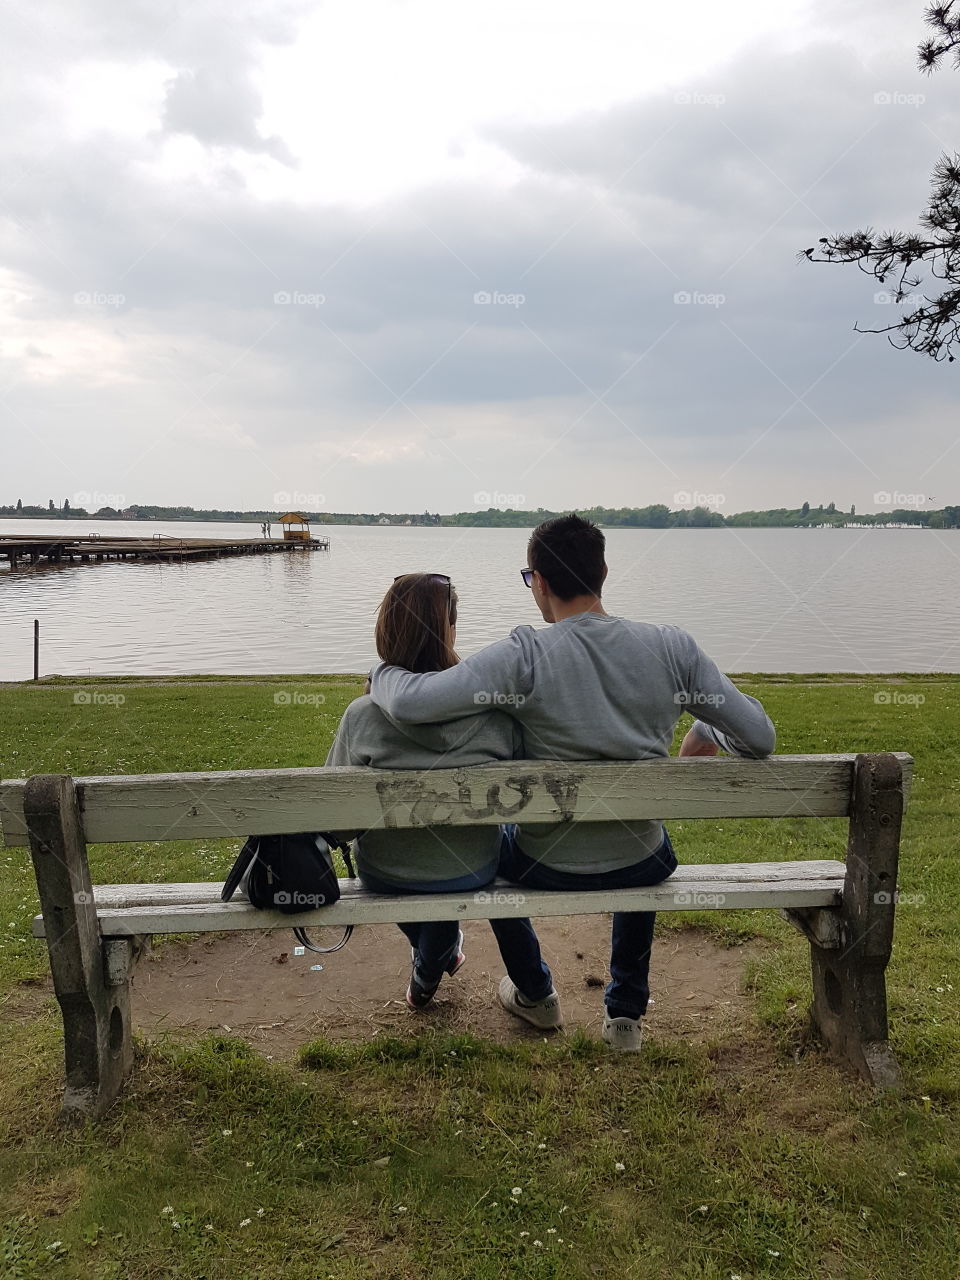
{"x":290,"y":873}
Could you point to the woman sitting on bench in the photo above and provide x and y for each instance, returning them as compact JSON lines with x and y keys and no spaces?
{"x":416,"y":630}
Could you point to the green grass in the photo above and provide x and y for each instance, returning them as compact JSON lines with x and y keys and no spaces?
{"x":398,"y":1157}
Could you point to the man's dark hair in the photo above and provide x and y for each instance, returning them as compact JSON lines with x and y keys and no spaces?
{"x":568,"y":552}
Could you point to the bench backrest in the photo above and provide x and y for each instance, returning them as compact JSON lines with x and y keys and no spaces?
{"x":190,"y":806}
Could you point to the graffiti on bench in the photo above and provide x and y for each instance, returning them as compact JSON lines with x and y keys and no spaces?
{"x":430,"y":805}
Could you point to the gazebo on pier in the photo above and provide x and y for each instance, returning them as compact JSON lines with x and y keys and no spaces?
{"x":296,"y":527}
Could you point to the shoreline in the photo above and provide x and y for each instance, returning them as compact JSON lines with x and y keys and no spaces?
{"x":451,"y":522}
{"x":135,"y":680}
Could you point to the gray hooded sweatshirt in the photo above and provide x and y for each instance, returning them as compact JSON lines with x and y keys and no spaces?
{"x":368,"y":736}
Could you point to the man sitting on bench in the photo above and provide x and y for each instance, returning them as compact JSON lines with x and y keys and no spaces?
{"x":590,"y":687}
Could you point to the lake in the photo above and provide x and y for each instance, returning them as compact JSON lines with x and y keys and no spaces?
{"x":756,"y":599}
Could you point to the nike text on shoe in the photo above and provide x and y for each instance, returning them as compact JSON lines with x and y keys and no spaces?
{"x":624,"y":1034}
{"x":545,"y":1014}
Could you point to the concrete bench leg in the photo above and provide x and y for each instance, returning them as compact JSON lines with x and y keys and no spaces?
{"x":91,"y":977}
{"x":849,"y":989}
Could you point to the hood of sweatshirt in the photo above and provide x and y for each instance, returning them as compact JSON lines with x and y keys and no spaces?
{"x":454,"y":735}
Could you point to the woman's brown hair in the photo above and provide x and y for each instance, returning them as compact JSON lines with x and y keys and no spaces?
{"x":416,"y":621}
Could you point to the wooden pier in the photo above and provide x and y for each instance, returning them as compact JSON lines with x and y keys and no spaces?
{"x":23,"y":550}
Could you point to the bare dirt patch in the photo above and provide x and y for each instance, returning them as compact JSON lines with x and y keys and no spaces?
{"x":252,"y":985}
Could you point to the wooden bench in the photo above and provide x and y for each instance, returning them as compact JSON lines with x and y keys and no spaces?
{"x":95,"y":933}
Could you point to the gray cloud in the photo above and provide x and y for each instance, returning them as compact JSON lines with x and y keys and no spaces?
{"x":615,"y":213}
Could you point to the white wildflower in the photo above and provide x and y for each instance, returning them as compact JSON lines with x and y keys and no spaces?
{"x":516,"y":1191}
{"x":619,"y":1166}
{"x":261,"y":1212}
{"x":225,"y":1133}
{"x":246,"y":1222}
{"x":167,"y":1208}
{"x":703,"y":1208}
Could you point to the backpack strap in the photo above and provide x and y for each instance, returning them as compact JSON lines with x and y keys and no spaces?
{"x":343,"y":848}
{"x":301,"y":936}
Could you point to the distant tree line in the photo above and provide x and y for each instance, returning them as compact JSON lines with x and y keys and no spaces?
{"x":656,"y":516}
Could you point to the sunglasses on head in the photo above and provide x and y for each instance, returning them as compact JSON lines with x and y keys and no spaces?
{"x":439,"y":577}
{"x":435,"y":577}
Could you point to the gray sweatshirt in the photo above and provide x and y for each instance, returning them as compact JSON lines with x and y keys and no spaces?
{"x":368,"y":736}
{"x":592,"y":687}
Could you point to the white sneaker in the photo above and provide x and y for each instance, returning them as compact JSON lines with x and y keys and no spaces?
{"x":624,"y":1034}
{"x":545,"y":1014}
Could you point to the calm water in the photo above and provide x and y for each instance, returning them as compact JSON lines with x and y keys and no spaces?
{"x":757,"y":600}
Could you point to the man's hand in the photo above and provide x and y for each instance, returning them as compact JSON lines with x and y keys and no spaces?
{"x":694,"y":745}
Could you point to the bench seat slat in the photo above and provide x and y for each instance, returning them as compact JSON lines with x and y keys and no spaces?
{"x":124,"y":910}
{"x":191,"y":806}
{"x":207,"y":891}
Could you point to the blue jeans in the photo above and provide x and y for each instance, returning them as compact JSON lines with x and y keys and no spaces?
{"x":435,"y":943}
{"x":628,"y":991}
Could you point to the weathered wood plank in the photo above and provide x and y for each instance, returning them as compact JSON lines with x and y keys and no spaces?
{"x":204,"y":805}
{"x":208,"y":891}
{"x":688,"y":889}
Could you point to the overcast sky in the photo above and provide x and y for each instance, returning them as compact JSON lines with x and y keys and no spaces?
{"x":405,"y":254}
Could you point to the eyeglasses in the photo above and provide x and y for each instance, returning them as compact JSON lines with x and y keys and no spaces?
{"x":527,"y":576}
